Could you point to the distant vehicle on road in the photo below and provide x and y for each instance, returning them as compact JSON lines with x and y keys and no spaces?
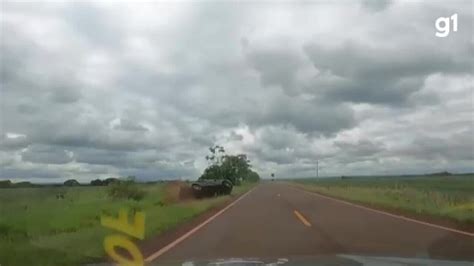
{"x":212,"y":187}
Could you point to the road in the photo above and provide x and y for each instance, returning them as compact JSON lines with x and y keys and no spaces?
{"x":276,"y":220}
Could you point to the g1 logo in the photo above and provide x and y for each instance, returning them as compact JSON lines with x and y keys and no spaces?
{"x":122,"y":224}
{"x":443,"y":25}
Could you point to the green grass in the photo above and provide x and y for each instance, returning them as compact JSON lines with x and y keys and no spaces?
{"x":449,"y":197}
{"x":38,"y":229}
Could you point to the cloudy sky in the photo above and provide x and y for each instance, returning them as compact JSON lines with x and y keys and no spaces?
{"x":99,"y":89}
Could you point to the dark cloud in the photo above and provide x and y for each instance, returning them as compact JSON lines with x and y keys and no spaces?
{"x":27,"y":108}
{"x":203,"y":140}
{"x":277,"y":156}
{"x":458,"y":147}
{"x":45,"y":155}
{"x":66,"y":95}
{"x":360,"y":148}
{"x":162,"y":171}
{"x":235,"y":136}
{"x":278,"y":138}
{"x":376,"y":5}
{"x":92,"y":23}
{"x":13,"y":143}
{"x":380,"y":75}
{"x":117,"y":158}
{"x":94,"y":90}
{"x":277,"y":67}
{"x":306,"y":116}
{"x":37,"y":173}
{"x":129,"y":125}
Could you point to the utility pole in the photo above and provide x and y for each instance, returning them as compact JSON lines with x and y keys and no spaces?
{"x":317,"y":168}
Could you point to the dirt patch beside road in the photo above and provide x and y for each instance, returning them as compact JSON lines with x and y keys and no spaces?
{"x":177,"y":191}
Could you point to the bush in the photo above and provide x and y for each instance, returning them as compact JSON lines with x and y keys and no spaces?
{"x":5,"y":183}
{"x":125,"y":190}
{"x":71,"y":183}
{"x":252,"y":176}
{"x":97,"y":182}
{"x":9,"y":233}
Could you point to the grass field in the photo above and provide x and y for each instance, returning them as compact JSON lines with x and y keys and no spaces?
{"x":36,"y":228}
{"x":447,"y":197}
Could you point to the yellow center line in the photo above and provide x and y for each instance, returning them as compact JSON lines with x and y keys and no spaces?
{"x":301,"y":217}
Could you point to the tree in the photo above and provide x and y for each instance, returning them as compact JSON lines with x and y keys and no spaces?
{"x":253,"y":176}
{"x":212,"y":172}
{"x":126,"y":189}
{"x":71,"y":183}
{"x":236,"y":167}
{"x":5,"y":183}
{"x":97,"y":182}
{"x":216,"y":156}
{"x":23,"y":184}
{"x":110,"y":180}
{"x":232,"y":167}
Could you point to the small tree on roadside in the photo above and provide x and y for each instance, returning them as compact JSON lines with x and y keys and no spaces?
{"x":71,"y":183}
{"x":97,"y":182}
{"x":236,"y":167}
{"x":212,"y":172}
{"x":216,"y":155}
{"x":110,"y":181}
{"x":232,"y":167}
{"x":253,"y":176}
{"x":126,"y":189}
{"x":5,"y":183}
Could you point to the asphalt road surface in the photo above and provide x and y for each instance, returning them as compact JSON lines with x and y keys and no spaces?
{"x":279,"y":221}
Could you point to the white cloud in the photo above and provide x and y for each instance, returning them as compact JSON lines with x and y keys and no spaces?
{"x":99,"y":89}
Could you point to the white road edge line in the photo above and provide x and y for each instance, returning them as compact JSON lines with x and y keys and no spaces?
{"x":171,"y":245}
{"x":385,"y":213}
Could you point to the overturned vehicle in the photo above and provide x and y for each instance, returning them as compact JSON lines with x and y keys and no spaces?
{"x":211,"y":187}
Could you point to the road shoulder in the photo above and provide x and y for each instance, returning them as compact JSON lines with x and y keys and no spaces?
{"x":407,"y":215}
{"x":156,"y":243}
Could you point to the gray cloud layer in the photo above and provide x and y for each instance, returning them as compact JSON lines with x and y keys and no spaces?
{"x":97,"y":90}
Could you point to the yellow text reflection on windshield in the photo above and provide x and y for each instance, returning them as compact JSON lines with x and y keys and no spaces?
{"x":136,"y":229}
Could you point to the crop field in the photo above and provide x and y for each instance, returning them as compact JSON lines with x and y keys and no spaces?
{"x":47,"y":230}
{"x":448,"y":197}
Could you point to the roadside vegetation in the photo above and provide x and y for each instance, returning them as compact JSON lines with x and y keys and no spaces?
{"x":61,"y":225}
{"x":236,"y":168}
{"x":443,"y":196}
